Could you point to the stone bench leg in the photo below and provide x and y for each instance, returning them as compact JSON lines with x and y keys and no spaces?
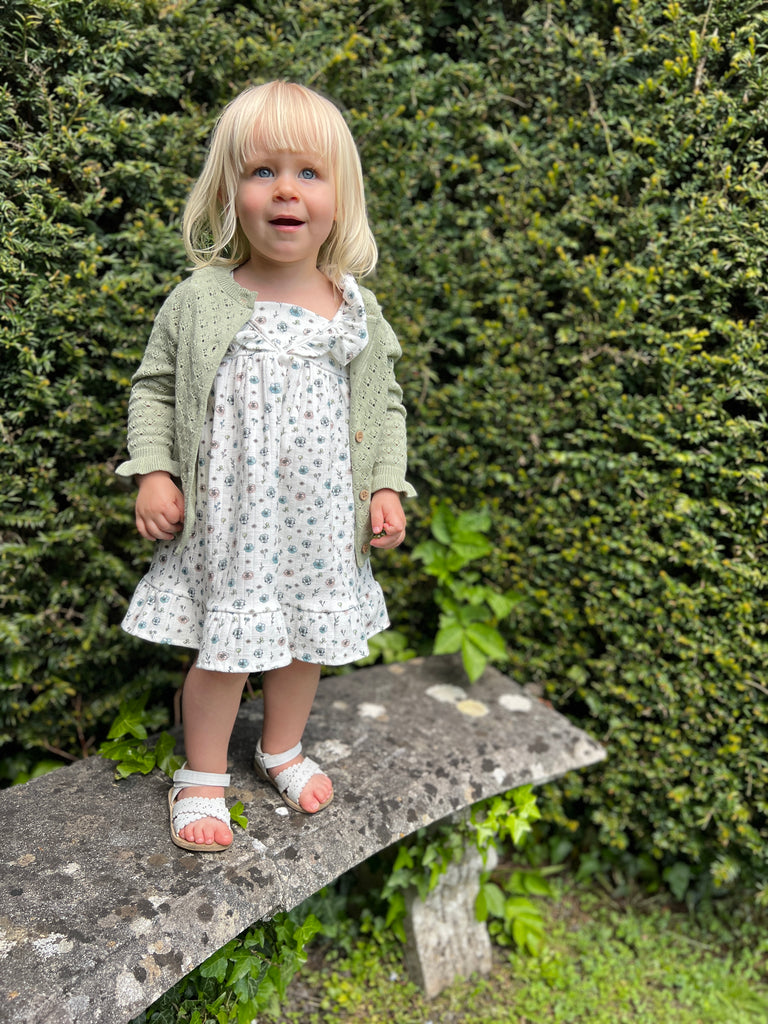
{"x":444,"y":940}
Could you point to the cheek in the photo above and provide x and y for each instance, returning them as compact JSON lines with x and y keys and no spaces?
{"x":246,"y":201}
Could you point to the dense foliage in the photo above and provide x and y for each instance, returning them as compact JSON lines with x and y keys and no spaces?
{"x":570,"y":199}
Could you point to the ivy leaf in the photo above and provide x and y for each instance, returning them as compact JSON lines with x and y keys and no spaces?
{"x":117,"y":750}
{"x":128,"y":721}
{"x":142,"y":761}
{"x":307,"y":931}
{"x":237,"y":815}
{"x":167,"y":760}
{"x":216,"y":966}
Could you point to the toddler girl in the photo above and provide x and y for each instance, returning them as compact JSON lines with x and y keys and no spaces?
{"x":267,"y":434}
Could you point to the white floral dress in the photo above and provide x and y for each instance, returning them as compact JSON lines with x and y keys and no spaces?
{"x":269,"y":573}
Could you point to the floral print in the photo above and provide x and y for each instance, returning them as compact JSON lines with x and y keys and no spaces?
{"x":269,"y":573}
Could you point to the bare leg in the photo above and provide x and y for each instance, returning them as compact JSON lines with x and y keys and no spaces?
{"x":288,"y":696}
{"x":210,"y":703}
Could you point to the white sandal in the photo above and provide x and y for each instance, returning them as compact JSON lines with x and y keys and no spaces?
{"x":192,"y":808}
{"x":289,"y":783}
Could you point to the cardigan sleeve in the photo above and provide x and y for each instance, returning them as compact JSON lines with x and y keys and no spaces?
{"x":391,"y":462}
{"x":152,"y":404}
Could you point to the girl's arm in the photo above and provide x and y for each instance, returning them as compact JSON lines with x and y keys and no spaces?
{"x":387,"y":515}
{"x":152,"y":459}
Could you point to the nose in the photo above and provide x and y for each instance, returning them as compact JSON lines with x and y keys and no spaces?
{"x":285,"y":187}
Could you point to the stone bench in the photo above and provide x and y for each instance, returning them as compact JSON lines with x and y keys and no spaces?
{"x":99,"y":912}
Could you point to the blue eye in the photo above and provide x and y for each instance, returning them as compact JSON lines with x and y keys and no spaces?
{"x":262,"y":172}
{"x":307,"y":174}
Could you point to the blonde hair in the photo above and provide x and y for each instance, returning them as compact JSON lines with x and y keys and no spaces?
{"x":278,"y":116}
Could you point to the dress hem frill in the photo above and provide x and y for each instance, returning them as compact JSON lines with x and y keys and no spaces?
{"x":222,"y":638}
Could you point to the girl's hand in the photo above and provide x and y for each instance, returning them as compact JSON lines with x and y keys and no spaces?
{"x":387,"y":519}
{"x":159,"y":507}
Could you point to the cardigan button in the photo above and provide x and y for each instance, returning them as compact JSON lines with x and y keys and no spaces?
{"x":364,"y":495}
{"x":359,"y":436}
{"x":364,"y":549}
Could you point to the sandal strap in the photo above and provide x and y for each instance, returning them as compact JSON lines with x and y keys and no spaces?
{"x":185,"y":777}
{"x":275,"y":760}
{"x":293,"y":780}
{"x":193,"y":808}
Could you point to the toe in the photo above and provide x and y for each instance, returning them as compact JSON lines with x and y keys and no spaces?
{"x":317,"y":791}
{"x":222,"y":835}
{"x":206,"y":832}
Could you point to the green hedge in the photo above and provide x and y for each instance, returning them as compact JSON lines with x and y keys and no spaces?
{"x":570,"y":200}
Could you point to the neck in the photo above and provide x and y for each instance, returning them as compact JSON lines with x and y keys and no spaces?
{"x":303,"y":286}
{"x":280,"y":282}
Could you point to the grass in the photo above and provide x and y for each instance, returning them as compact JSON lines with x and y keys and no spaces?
{"x":605,"y":962}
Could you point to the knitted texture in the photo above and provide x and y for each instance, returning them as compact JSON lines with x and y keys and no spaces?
{"x":169,"y":397}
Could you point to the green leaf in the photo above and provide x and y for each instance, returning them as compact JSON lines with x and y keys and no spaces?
{"x":488,"y":639}
{"x":502,"y":604}
{"x":438,"y":561}
{"x":493,"y":900}
{"x":467,"y":548}
{"x":473,"y":658}
{"x":242,"y":964}
{"x":116,"y":750}
{"x":442,"y":524}
{"x":237,"y":815}
{"x":167,"y":760}
{"x":535,"y":884}
{"x":217,"y":965}
{"x":140,"y":762}
{"x":678,"y":878}
{"x":449,"y":639}
{"x":472,"y":522}
{"x":304,"y":934}
{"x":519,"y":830}
{"x":427,"y":551}
{"x":528,"y":935}
{"x":129,"y":721}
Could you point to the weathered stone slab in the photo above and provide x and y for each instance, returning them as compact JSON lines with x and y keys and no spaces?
{"x":100,"y":913}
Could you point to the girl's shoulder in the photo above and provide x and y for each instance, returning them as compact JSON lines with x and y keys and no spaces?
{"x":211,"y":286}
{"x":218,"y":281}
{"x":380,"y":329}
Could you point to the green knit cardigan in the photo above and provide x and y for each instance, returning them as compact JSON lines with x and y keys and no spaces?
{"x":169,"y":396}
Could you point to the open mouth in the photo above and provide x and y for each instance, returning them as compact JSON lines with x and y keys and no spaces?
{"x":287,"y":222}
